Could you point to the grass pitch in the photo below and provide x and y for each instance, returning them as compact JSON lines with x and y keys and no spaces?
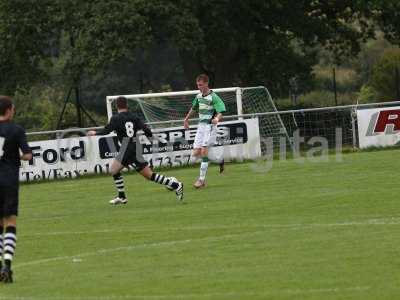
{"x":301,"y":231}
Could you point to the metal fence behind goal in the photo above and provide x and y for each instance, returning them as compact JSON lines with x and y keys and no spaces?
{"x":328,"y":123}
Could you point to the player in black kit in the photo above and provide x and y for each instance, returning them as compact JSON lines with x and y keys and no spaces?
{"x":126,"y":125}
{"x":12,"y":141}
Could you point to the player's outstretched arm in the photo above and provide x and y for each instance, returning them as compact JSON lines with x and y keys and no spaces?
{"x":106,"y":130}
{"x":188,"y":116}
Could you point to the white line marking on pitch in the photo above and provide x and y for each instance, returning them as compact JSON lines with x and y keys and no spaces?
{"x":370,"y":222}
{"x":132,"y":247}
{"x":213,"y":238}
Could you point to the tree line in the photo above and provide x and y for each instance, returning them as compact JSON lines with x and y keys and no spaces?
{"x":131,"y":46}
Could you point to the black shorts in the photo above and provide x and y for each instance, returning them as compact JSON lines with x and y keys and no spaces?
{"x":8,"y":201}
{"x":134,"y":159}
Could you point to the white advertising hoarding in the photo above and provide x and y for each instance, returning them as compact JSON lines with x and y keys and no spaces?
{"x":378,"y":127}
{"x":74,"y":157}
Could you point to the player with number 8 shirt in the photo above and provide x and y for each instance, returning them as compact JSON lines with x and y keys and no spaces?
{"x":126,"y":125}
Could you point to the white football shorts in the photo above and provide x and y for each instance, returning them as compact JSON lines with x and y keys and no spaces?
{"x":206,"y":136}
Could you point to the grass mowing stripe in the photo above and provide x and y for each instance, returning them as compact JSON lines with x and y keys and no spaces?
{"x":371,"y":222}
{"x":200,"y":296}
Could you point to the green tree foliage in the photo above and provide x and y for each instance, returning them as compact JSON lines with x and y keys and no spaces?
{"x":367,"y":94}
{"x":235,"y":42}
{"x":369,"y":55}
{"x":384,"y":79}
{"x":387,"y":15}
{"x":104,"y":43}
{"x":268,"y":42}
{"x":26,"y":33}
{"x":43,"y":113}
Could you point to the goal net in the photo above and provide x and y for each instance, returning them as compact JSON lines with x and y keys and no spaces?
{"x":169,"y":109}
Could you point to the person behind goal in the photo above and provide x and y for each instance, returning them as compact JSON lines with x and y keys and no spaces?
{"x":210,"y":108}
{"x":12,"y":141}
{"x":126,"y":125}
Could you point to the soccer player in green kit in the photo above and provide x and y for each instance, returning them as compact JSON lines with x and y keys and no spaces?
{"x":210,"y":107}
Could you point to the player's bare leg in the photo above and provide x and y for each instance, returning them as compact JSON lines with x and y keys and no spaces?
{"x":196,"y":152}
{"x":147,"y":173}
{"x":116,"y":167}
{"x":170,"y":182}
{"x":115,"y":170}
{"x":10,"y":242}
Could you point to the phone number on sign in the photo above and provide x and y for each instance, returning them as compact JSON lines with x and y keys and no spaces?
{"x":169,"y":161}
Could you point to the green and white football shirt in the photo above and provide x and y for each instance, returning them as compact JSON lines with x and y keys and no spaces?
{"x":208,"y":106}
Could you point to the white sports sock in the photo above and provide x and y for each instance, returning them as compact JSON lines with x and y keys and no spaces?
{"x":203,"y":170}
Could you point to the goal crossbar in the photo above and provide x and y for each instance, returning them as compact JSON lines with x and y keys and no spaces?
{"x":110,"y":99}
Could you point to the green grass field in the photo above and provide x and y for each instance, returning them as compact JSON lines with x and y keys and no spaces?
{"x":301,"y":231}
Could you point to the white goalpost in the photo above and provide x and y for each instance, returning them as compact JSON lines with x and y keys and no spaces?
{"x":149,"y":99}
{"x":160,"y":110}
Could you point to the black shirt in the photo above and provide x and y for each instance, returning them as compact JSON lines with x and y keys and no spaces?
{"x":12,"y":139}
{"x":126,"y":125}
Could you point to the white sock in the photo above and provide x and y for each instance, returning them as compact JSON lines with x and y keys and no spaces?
{"x":203,"y":170}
